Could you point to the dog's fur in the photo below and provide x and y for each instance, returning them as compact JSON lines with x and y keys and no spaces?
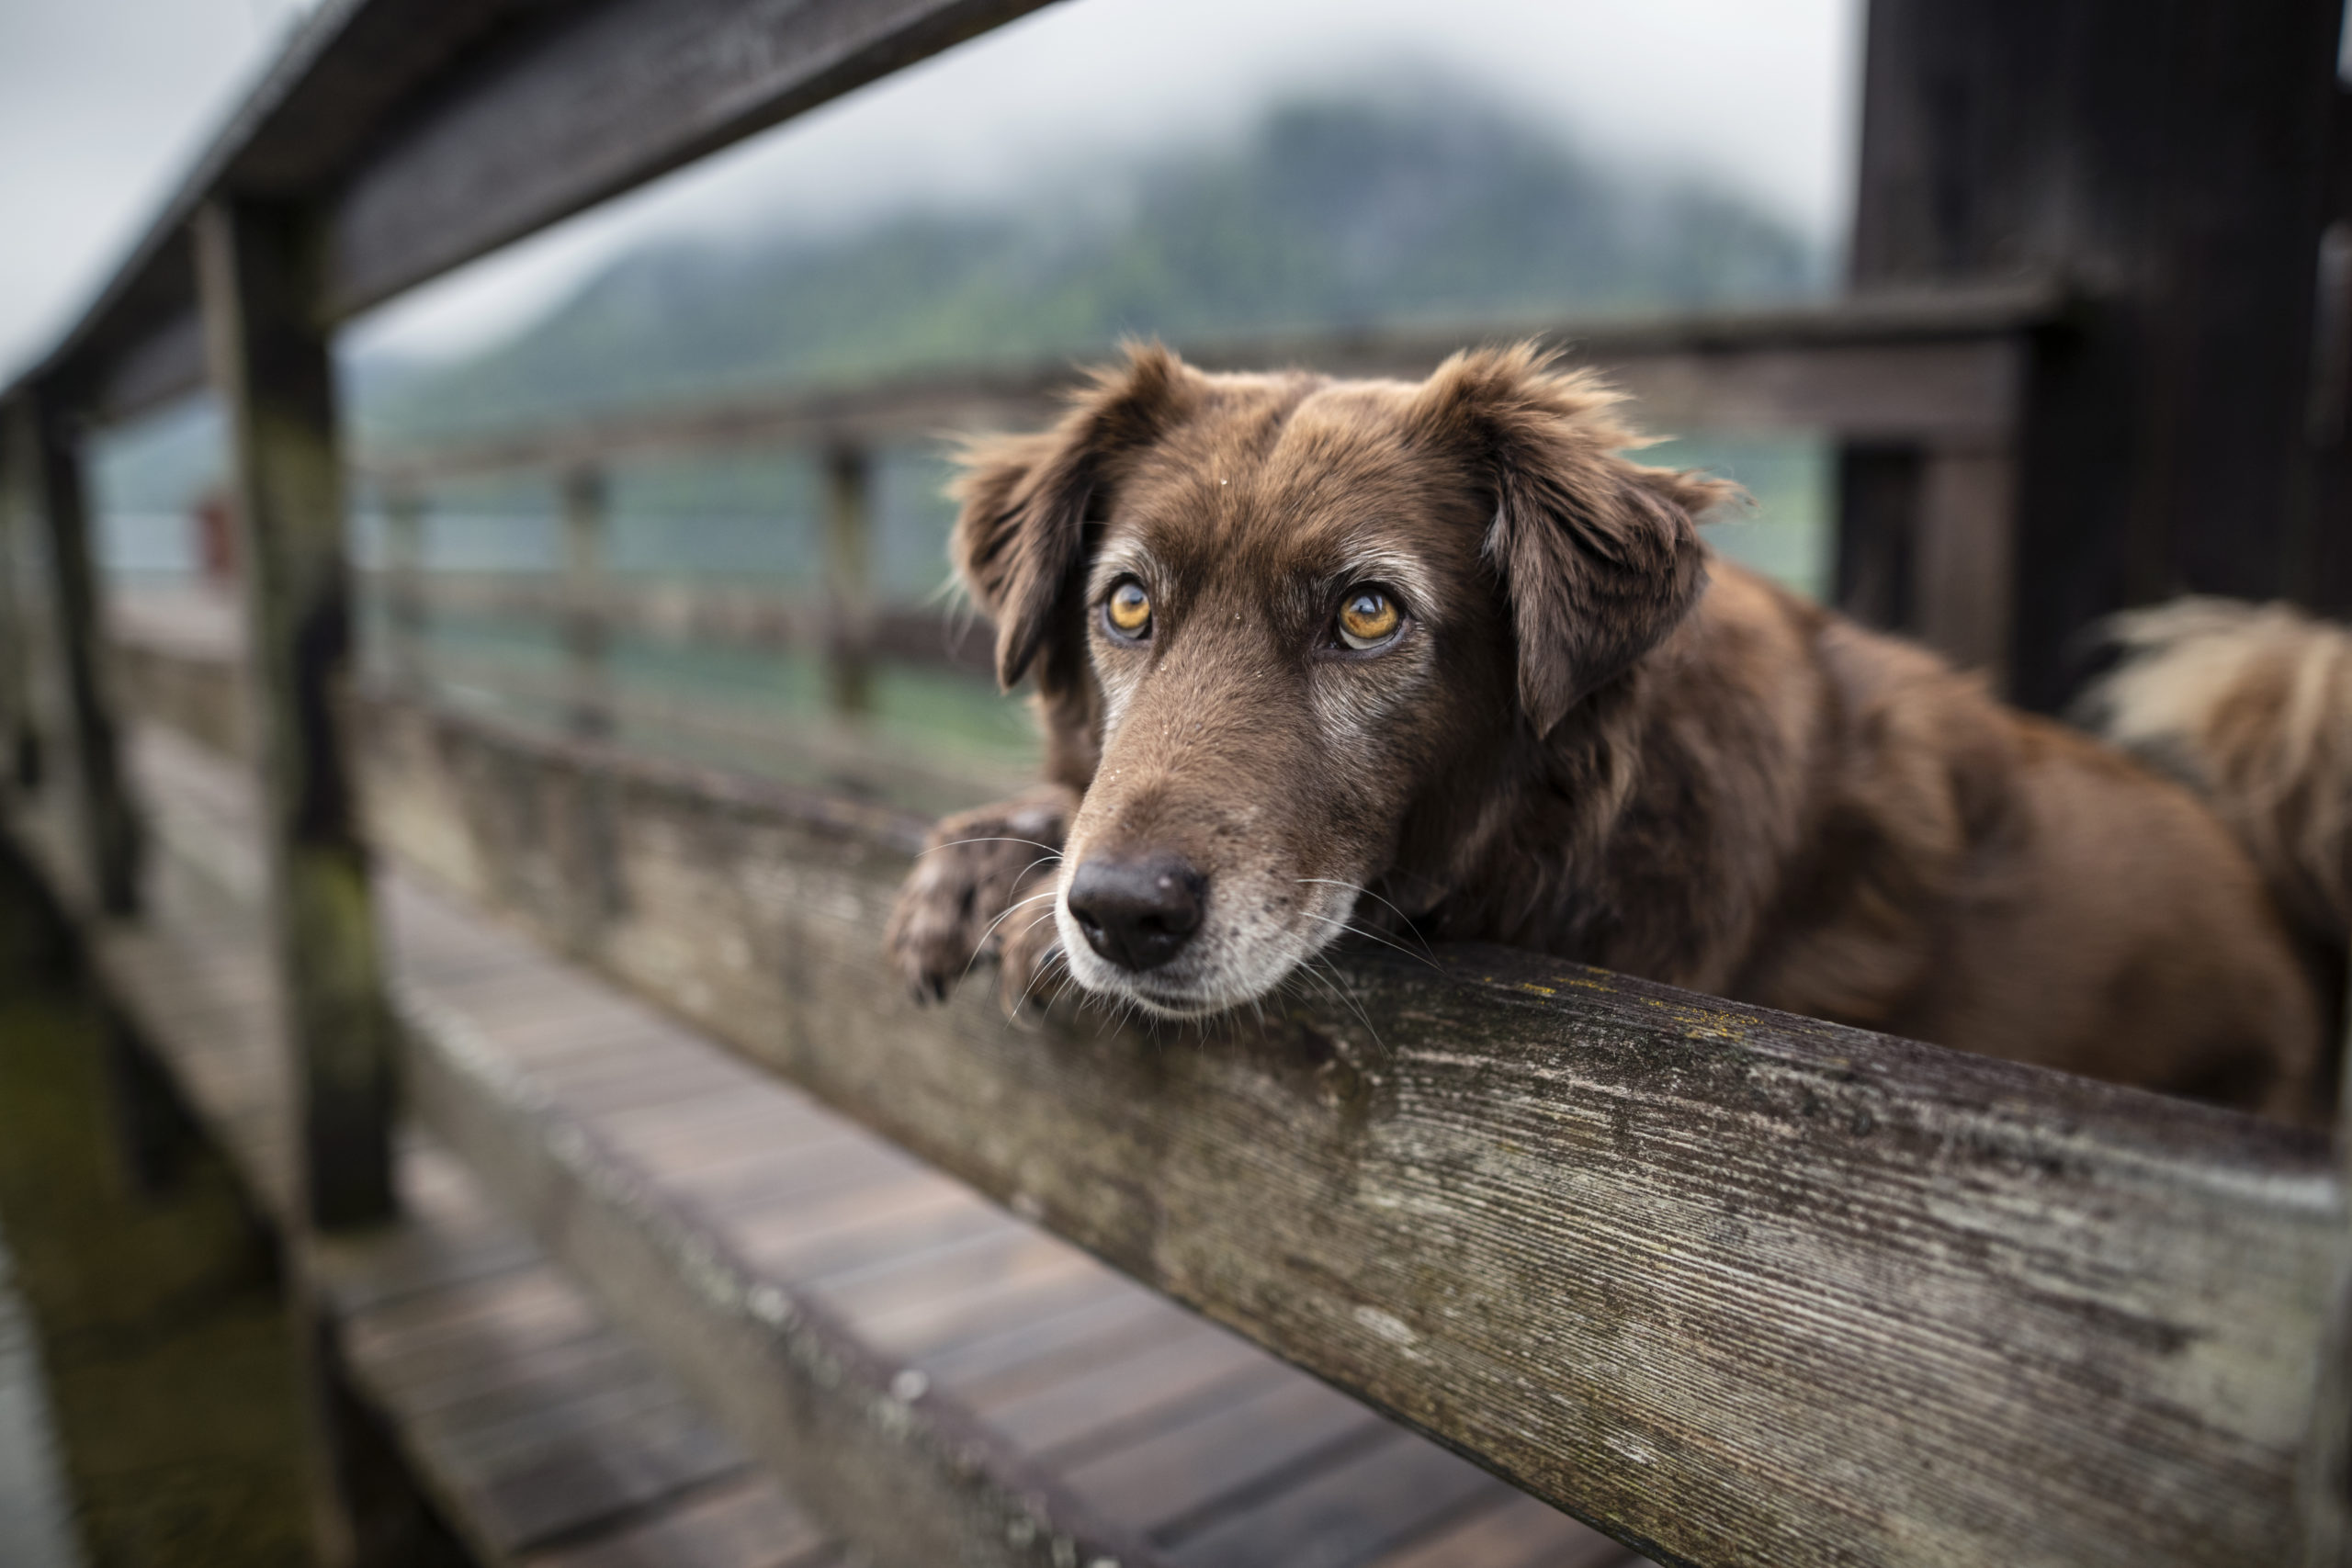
{"x":1589,"y":739}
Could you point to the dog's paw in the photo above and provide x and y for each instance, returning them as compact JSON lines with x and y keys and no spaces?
{"x":982,"y":886}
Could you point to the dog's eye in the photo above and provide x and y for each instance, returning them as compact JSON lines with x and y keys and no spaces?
{"x":1368,"y":617}
{"x":1128,"y":610}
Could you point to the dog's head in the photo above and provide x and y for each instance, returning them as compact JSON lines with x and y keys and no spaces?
{"x":1294,"y":625}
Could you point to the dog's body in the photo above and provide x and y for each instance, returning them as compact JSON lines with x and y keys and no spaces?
{"x":1574,"y":732}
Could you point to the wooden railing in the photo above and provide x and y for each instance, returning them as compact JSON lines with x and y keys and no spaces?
{"x":1736,"y":1287}
{"x":1924,"y":392}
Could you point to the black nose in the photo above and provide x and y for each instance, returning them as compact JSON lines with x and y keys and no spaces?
{"x":1137,"y":913}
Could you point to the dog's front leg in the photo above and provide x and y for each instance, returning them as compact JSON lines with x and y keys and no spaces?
{"x":984,"y":884}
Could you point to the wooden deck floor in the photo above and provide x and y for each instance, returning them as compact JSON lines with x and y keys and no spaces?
{"x":543,"y":1427}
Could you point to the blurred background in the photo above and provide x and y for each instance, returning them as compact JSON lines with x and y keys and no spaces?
{"x":1198,"y":172}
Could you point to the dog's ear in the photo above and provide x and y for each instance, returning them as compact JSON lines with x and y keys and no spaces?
{"x":1026,"y":500}
{"x":1599,"y":556}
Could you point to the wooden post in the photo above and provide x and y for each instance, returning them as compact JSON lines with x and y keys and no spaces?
{"x":41,"y":441}
{"x":849,"y":627}
{"x":256,"y":268}
{"x":2177,"y":163}
{"x":1962,"y":561}
{"x":589,"y":711}
{"x":19,"y":721}
{"x":1877,"y":517}
{"x":404,"y":612}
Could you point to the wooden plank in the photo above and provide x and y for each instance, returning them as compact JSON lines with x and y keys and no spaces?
{"x":599,"y":98}
{"x":1104,"y":1321}
{"x":1175,"y":1480}
{"x":914,"y":1479}
{"x":757,"y":616}
{"x":1517,"y":1532}
{"x":1736,"y":1286}
{"x":748,"y":1523}
{"x":276,"y":375}
{"x":530,"y":1422}
{"x":1138,"y":1397}
{"x":1380,"y":1497}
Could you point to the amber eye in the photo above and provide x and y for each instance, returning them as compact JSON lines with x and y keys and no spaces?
{"x":1128,"y":609}
{"x":1368,"y":618}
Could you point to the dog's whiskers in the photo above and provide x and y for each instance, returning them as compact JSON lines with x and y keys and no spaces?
{"x":1361,"y":891}
{"x":1329,"y":978}
{"x":1354,"y":929}
{"x":1051,"y":853}
{"x":981,"y":944}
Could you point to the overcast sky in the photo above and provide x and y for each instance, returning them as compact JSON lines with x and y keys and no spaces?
{"x":102,"y":103}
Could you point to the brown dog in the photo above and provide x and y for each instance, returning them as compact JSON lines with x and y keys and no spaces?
{"x":1313,"y":654}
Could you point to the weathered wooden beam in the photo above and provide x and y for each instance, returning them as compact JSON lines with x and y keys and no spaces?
{"x":597,"y":98}
{"x":1734,"y":1286}
{"x":752,"y":616}
{"x":272,"y":366}
{"x":849,"y":587}
{"x":49,"y":449}
{"x":1909,"y":369}
{"x":19,"y":721}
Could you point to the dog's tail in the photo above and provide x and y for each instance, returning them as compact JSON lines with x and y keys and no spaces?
{"x":2251,"y":706}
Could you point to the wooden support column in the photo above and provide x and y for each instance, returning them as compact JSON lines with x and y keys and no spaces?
{"x":2171,"y":160}
{"x":270,"y":361}
{"x":849,"y":596}
{"x":1878,"y":516}
{"x":404,"y":612}
{"x":42,"y":442}
{"x":588,"y":704}
{"x":19,"y":721}
{"x":1962,"y":561}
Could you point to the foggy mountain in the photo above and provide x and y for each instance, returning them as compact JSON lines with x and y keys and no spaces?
{"x":1332,"y":213}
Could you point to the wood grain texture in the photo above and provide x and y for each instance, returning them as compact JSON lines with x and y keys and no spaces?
{"x":275,"y":373}
{"x":597,"y":98}
{"x":1738,"y":1287}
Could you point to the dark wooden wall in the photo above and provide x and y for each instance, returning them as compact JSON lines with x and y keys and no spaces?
{"x":2170,"y":161}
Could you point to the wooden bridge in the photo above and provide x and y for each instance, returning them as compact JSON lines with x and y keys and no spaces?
{"x":634,"y":1217}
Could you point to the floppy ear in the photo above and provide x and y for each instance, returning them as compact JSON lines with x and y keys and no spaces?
{"x":1599,"y":556}
{"x":1019,"y":540}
